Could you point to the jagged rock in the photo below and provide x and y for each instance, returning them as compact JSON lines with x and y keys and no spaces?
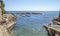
{"x":7,"y":21}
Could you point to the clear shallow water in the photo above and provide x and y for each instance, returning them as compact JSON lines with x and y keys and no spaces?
{"x":33,"y":25}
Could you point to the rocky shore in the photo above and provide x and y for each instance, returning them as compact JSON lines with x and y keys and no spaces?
{"x":7,"y":21}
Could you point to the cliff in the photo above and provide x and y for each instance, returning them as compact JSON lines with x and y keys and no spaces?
{"x":7,"y":21}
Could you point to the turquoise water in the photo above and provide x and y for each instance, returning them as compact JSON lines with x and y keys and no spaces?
{"x":33,"y":25}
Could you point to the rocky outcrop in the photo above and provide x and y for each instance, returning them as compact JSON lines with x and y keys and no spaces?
{"x":7,"y":21}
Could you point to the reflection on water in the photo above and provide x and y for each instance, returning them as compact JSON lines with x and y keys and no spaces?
{"x":33,"y":25}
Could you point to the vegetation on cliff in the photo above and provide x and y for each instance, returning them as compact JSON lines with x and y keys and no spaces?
{"x":2,"y":7}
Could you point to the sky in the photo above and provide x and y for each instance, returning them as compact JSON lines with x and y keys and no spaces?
{"x":32,"y":5}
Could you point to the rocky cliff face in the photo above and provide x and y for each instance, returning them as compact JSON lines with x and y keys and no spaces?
{"x":7,"y":21}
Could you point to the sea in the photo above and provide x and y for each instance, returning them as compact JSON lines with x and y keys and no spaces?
{"x":32,"y":24}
